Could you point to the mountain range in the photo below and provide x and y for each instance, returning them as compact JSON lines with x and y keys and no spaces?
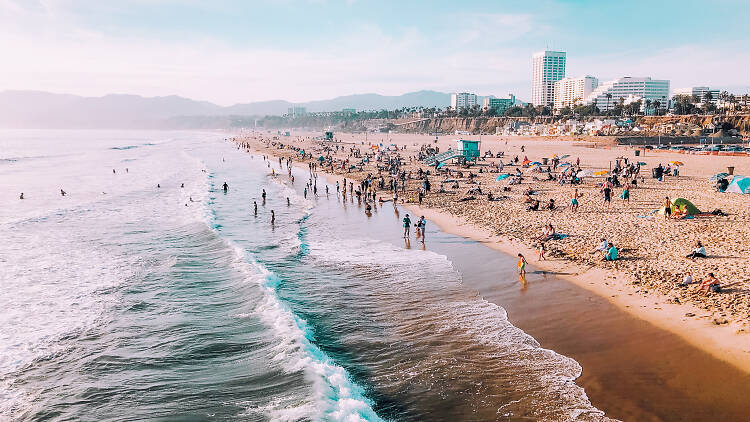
{"x":44,"y":110}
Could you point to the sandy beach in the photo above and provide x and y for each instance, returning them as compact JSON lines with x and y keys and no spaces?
{"x":643,"y":282}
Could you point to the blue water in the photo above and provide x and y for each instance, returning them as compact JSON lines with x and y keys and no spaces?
{"x":128,"y":301}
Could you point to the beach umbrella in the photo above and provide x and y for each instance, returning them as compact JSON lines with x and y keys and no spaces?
{"x":565,"y":156}
{"x":585,"y":173}
{"x":536,"y":163}
{"x":641,"y":163}
{"x":440,"y":165}
{"x":601,"y":173}
{"x":321,"y":158}
{"x":503,"y":176}
{"x":677,"y":163}
{"x":565,"y":165}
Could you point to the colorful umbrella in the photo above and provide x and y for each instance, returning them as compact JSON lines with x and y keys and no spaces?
{"x":677,"y":163}
{"x":565,"y":156}
{"x":585,"y":173}
{"x":601,"y":173}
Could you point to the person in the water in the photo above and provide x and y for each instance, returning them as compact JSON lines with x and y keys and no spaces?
{"x":63,"y":193}
{"x":273,"y":218}
{"x":287,"y":201}
{"x":183,"y":185}
{"x":407,"y":224}
{"x":255,"y":208}
{"x":158,"y":185}
{"x":264,"y":195}
{"x":21,"y":196}
{"x":226,"y":187}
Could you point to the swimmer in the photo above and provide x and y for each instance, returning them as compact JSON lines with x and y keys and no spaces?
{"x":183,"y":185}
{"x":273,"y":217}
{"x":113,"y":171}
{"x":255,"y":208}
{"x":21,"y":195}
{"x":158,"y":185}
{"x":225,"y":186}
{"x":263,"y":195}
{"x":287,"y":201}
{"x":63,"y":193}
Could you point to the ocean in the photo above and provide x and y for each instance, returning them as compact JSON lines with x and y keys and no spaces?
{"x":149,"y":293}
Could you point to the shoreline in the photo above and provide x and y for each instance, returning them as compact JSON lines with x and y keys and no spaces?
{"x":727,"y":341}
{"x":718,"y":341}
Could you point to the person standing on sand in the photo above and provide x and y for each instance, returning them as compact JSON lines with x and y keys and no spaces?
{"x":607,"y":191}
{"x":407,"y":226}
{"x":541,"y":252}
{"x":521,"y":265}
{"x":667,"y":208}
{"x":574,"y":200}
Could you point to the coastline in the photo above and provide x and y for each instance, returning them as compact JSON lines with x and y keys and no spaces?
{"x":719,"y":341}
{"x":727,"y":342}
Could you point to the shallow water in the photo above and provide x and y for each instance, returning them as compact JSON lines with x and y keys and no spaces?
{"x":127,"y":301}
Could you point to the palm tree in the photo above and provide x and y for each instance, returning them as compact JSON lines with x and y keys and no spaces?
{"x":609,"y":97}
{"x":656,"y":104}
{"x":648,"y":106}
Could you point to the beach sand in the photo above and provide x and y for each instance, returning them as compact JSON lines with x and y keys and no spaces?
{"x":644,"y":282}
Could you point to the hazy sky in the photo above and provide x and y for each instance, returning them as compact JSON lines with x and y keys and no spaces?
{"x":228,"y":51}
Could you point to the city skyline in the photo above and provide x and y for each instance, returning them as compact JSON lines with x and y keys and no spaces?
{"x":228,"y":51}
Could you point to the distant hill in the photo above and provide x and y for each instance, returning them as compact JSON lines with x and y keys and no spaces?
{"x":35,"y":109}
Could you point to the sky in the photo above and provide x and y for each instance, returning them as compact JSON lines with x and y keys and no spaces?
{"x":234,"y":51}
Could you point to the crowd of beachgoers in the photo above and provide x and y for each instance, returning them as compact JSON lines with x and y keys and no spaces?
{"x":640,"y":218}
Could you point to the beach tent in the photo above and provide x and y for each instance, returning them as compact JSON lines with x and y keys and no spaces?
{"x":682,"y":203}
{"x":718,"y":176}
{"x":739,"y":184}
{"x":503,"y":176}
{"x":585,"y":173}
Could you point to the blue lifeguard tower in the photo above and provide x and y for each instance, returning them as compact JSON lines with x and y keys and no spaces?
{"x":468,"y":149}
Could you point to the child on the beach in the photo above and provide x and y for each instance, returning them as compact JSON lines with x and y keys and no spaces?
{"x":521,"y":265}
{"x":541,"y":252}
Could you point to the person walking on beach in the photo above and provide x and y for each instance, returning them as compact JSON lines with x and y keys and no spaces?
{"x":521,"y":265}
{"x":407,"y":226}
{"x":225,"y":186}
{"x":541,"y":252}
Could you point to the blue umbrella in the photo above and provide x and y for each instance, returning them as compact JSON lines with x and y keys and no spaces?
{"x":440,"y":165}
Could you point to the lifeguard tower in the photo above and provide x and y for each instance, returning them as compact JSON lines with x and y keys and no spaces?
{"x":329,"y":135}
{"x":468,"y":149}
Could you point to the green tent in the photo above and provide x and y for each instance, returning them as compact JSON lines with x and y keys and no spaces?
{"x":682,"y":203}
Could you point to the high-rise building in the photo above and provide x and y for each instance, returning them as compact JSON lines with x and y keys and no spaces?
{"x":699,"y":94}
{"x":608,"y":94}
{"x":547,"y":67}
{"x":461,"y":100}
{"x":499,"y":104}
{"x":296,"y":111}
{"x":572,"y":91}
